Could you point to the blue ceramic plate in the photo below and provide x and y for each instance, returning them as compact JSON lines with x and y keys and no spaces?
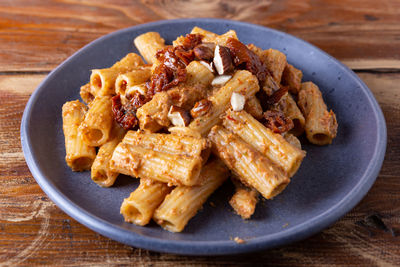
{"x":331,"y":180}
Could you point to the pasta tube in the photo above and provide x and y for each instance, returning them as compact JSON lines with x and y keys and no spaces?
{"x":244,"y":200}
{"x":101,"y":172}
{"x":127,"y":80}
{"x":198,"y":75}
{"x":184,"y":201}
{"x":289,"y":107}
{"x":139,"y":207}
{"x":169,"y":143}
{"x":293,"y":140}
{"x":321,"y":125}
{"x":272,"y":145}
{"x":86,"y":93}
{"x":79,"y":156}
{"x":222,"y":39}
{"x":163,"y":157}
{"x":148,"y":44}
{"x":95,"y":128}
{"x":276,"y":63}
{"x":270,"y":85}
{"x":253,"y":168}
{"x":242,"y":82}
{"x":292,"y":78}
{"x":103,"y":80}
{"x":154,"y":114}
{"x":137,"y":161}
{"x":253,"y":107}
{"x":212,"y":37}
{"x":208,"y":37}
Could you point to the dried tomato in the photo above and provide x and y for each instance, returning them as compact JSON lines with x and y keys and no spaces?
{"x":173,"y":62}
{"x":125,"y":115}
{"x":277,"y":95}
{"x":277,"y":121}
{"x":191,"y":40}
{"x":247,"y":59}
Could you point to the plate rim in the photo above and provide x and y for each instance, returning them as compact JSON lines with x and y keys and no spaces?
{"x":183,"y":247}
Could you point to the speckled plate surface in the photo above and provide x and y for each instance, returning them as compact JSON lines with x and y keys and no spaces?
{"x":329,"y":183}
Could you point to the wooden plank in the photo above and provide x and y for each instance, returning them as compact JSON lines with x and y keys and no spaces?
{"x":39,"y":35}
{"x":34,"y":231}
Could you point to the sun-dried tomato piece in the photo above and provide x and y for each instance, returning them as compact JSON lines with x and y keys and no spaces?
{"x":117,"y":108}
{"x":173,"y":61}
{"x":191,"y":40}
{"x":247,"y":59}
{"x":136,"y":101}
{"x":277,"y":121}
{"x":164,"y":78}
{"x":277,"y":95}
{"x":125,"y":115}
{"x":185,"y":56}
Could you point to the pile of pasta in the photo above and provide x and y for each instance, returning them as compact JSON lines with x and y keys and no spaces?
{"x":223,"y":110}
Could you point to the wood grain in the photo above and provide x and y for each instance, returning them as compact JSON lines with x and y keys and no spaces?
{"x":38,"y":35}
{"x":33,"y":231}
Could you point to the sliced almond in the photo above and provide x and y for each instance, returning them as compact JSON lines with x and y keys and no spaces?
{"x":237,"y":101}
{"x":178,"y":116}
{"x":222,"y":60}
{"x":207,"y":65}
{"x":221,"y":80}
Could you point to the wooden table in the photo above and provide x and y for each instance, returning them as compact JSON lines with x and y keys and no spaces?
{"x":36,"y":36}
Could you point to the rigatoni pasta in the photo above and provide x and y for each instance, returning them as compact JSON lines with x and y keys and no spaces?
{"x":163,"y":157}
{"x":253,"y":107}
{"x":276,"y":63}
{"x":321,"y":125}
{"x":160,"y":123}
{"x":293,"y":140}
{"x":137,"y":161}
{"x":207,"y":35}
{"x":270,"y":144}
{"x":173,"y":144}
{"x":154,"y":114}
{"x":289,"y":107}
{"x":103,"y":80}
{"x":79,"y":155}
{"x":252,"y":168}
{"x":198,"y":75}
{"x":244,"y":200}
{"x":86,"y":93}
{"x":126,"y":81}
{"x":148,"y":44}
{"x":95,"y":128}
{"x":184,"y":201}
{"x":291,"y":77}
{"x":101,"y":172}
{"x":139,"y":207}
